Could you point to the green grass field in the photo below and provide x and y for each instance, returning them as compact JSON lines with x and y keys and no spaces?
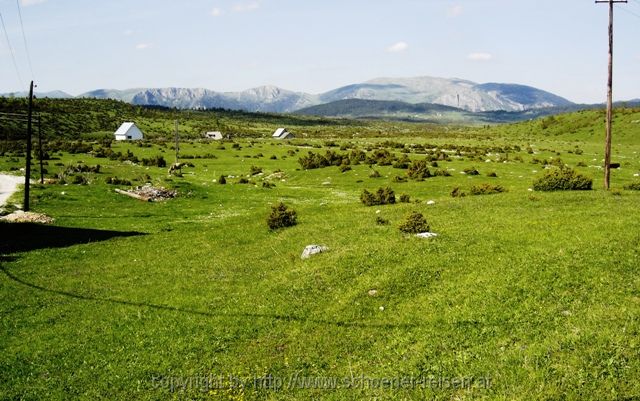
{"x":522,"y":296}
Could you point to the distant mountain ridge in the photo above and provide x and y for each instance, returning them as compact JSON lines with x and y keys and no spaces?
{"x":459,"y":93}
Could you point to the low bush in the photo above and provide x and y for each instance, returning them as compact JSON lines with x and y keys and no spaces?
{"x":117,"y":181}
{"x":414,"y":223}
{"x":486,"y":189}
{"x":374,"y":174}
{"x":418,"y":170}
{"x":383,"y":196}
{"x":457,"y":193}
{"x":281,"y":216}
{"x":255,"y":170}
{"x":635,"y":186}
{"x":381,"y":221}
{"x":471,"y":171}
{"x":222,"y":180}
{"x":404,"y":198}
{"x":156,"y":161}
{"x":562,"y":179}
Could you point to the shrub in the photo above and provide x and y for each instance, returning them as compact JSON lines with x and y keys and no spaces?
{"x":486,"y":189}
{"x":268,"y":185}
{"x":374,"y":174}
{"x":397,"y":178}
{"x":418,"y":170}
{"x":344,"y":168}
{"x":79,"y":180}
{"x":492,"y":174}
{"x":381,"y":221}
{"x":255,"y":170}
{"x":471,"y":171}
{"x":222,"y":180}
{"x":117,"y":181}
{"x":404,"y":198}
{"x":157,"y":161}
{"x":562,"y":179}
{"x":383,"y":196}
{"x":635,"y":186}
{"x":243,"y":181}
{"x":441,"y":173}
{"x":457,"y":193}
{"x":281,"y":216}
{"x":414,"y":223}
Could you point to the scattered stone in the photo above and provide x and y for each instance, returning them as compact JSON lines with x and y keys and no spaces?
{"x":155,"y":193}
{"x":373,"y":293}
{"x":20,"y":216}
{"x":431,"y":202}
{"x":311,"y":250}
{"x":326,"y":183}
{"x":426,"y":235}
{"x":381,"y":308}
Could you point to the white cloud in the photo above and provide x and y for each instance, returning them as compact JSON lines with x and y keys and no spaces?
{"x":216,"y":12}
{"x":128,"y":32}
{"x":27,"y":3}
{"x":480,"y":56}
{"x":246,"y":6}
{"x":398,"y":47}
{"x":456,"y":10}
{"x":144,"y":46}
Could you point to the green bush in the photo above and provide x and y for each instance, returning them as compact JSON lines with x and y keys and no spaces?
{"x":222,"y":180}
{"x":281,"y":216}
{"x":255,"y":170}
{"x":486,"y":189}
{"x":383,"y":196}
{"x":404,"y":198}
{"x":381,"y":221}
{"x":457,"y":193}
{"x":471,"y":171}
{"x":117,"y":181}
{"x":562,"y":179}
{"x":374,"y":174}
{"x":414,"y":223}
{"x":418,"y":170}
{"x":157,"y":161}
{"x":633,"y":186}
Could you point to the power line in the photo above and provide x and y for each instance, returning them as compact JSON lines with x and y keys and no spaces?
{"x":13,"y":57}
{"x":629,"y":11}
{"x":24,"y":37}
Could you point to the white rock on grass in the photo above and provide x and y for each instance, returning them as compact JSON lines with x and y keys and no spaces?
{"x":431,"y":202}
{"x":426,"y":235}
{"x":311,"y":250}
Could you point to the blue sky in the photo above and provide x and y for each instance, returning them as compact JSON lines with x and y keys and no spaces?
{"x":318,"y":45}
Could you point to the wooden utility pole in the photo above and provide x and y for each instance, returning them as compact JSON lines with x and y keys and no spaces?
{"x":607,"y":146}
{"x":177,"y":141}
{"x":40,"y":152}
{"x":27,"y":170}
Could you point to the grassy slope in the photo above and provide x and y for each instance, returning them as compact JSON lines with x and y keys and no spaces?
{"x":537,"y":291}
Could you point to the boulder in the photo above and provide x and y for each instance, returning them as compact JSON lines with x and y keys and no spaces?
{"x":311,"y":250}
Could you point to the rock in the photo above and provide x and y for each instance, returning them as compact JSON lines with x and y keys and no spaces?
{"x":311,"y":250}
{"x":426,"y":235}
{"x":373,"y":293}
{"x":431,"y":202}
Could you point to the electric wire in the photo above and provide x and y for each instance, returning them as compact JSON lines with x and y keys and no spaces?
{"x":24,"y":37}
{"x":13,"y":57}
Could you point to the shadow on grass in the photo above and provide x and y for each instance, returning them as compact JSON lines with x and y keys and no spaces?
{"x":25,"y":237}
{"x":244,"y":315}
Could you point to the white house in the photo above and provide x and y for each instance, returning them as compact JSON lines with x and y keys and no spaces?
{"x":128,"y":132}
{"x":282,"y":133}
{"x":215,"y":135}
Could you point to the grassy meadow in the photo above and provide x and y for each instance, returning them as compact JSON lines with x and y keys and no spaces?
{"x":523,"y":295}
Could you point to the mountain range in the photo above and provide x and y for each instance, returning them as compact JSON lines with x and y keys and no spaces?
{"x":462,"y":94}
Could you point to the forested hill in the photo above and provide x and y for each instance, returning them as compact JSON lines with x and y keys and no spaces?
{"x":75,"y":118}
